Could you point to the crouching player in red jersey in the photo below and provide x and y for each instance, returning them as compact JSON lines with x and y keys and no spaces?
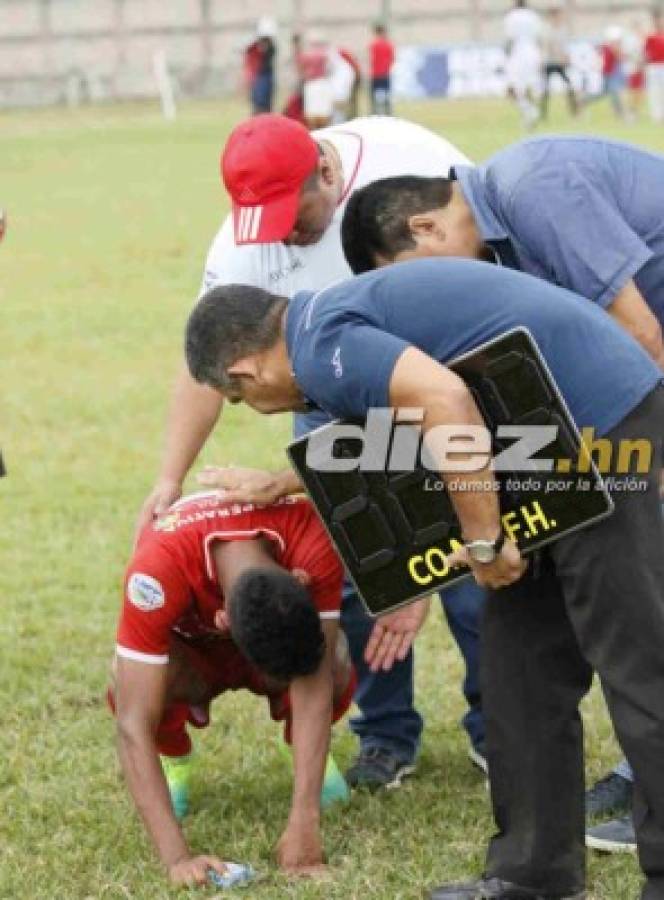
{"x":225,"y":597}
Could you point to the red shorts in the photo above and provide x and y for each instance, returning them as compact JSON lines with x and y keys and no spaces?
{"x":223,"y":668}
{"x":637,"y":80}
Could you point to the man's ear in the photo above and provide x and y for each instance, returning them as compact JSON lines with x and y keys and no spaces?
{"x":245,"y":367}
{"x":326,"y":171}
{"x":425,"y":225}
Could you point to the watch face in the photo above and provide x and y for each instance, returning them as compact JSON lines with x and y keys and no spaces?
{"x":482,"y":553}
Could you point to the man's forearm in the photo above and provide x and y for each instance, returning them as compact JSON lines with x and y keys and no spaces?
{"x":193,"y":413}
{"x":472,"y":493}
{"x":419,"y":382}
{"x":140,"y":763}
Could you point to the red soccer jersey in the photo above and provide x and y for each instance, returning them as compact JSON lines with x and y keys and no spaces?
{"x":654,"y":47}
{"x":171,"y":582}
{"x":610,"y":60}
{"x":381,"y":51}
{"x":313,"y":64}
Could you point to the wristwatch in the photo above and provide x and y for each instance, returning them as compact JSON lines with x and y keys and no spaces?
{"x":485,"y":551}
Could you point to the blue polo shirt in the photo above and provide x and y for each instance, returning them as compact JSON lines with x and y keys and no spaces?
{"x":584,"y":213}
{"x":344,"y":342}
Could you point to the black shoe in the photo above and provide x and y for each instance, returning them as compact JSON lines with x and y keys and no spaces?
{"x":477,"y":756}
{"x":494,"y":889}
{"x":617,"y":836}
{"x":377,"y":768}
{"x":611,"y":796}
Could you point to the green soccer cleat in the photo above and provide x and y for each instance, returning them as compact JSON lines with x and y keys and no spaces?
{"x":335,"y":789}
{"x":177,"y":770}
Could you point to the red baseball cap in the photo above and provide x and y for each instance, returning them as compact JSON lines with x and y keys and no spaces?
{"x":265,"y":162}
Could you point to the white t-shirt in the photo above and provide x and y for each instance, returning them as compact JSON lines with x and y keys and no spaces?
{"x":370,"y":148}
{"x":523,"y":28}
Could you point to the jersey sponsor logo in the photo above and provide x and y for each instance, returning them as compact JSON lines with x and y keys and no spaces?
{"x":168,"y":522}
{"x":145,"y":592}
{"x":285,"y":271}
{"x":336,"y":363}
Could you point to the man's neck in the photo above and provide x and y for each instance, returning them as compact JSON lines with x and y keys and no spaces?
{"x":233,"y":558}
{"x":460,"y":219}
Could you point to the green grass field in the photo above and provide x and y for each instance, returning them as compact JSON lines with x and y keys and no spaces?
{"x":110,"y":215}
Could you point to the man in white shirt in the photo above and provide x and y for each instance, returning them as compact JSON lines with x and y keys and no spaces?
{"x":289,"y":190}
{"x":523,"y":29}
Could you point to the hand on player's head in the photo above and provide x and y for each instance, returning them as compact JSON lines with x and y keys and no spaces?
{"x":275,"y":624}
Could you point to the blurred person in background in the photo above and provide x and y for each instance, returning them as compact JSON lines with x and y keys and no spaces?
{"x":633,"y":61}
{"x":381,"y":60}
{"x":556,"y":59}
{"x":352,"y":106}
{"x":614,"y":78}
{"x":294,"y":106}
{"x":654,"y":58}
{"x":343,"y":77}
{"x":523,"y":29}
{"x":317,"y":88}
{"x":259,"y":63}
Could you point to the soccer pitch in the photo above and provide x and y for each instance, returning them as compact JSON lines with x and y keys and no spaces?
{"x":110,"y":213}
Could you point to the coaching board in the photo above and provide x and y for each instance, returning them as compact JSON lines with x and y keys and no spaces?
{"x":395,"y":529}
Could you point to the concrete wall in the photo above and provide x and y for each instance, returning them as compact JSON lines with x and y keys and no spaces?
{"x":54,"y":50}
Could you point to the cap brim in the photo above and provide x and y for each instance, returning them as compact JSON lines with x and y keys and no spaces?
{"x":266,"y":223}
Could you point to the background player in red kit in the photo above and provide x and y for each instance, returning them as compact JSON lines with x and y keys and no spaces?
{"x":653,"y":52}
{"x":225,"y":597}
{"x":381,"y":59}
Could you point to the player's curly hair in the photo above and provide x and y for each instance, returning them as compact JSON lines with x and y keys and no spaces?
{"x":274,"y":623}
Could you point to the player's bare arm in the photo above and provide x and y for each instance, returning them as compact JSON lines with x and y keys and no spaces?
{"x":630,"y":310}
{"x":299,"y":849}
{"x":420,"y":382}
{"x":243,"y":485}
{"x":194,"y":411}
{"x":140,"y":694}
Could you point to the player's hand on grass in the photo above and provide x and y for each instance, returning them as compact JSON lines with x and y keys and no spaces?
{"x":193,"y":870}
{"x":393,"y":635}
{"x":156,"y":504}
{"x":506,"y":568}
{"x":242,"y":485}
{"x":300,"y":851}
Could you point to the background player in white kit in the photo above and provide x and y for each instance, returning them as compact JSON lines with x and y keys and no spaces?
{"x":289,"y":190}
{"x":523,"y":29}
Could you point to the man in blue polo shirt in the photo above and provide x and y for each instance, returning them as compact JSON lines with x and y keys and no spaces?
{"x":597,"y":601}
{"x":581,"y":212}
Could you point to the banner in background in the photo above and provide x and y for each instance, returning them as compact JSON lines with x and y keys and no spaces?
{"x":478,"y":70}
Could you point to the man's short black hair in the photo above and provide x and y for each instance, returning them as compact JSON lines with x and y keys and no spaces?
{"x":227,"y":323}
{"x":275,"y":624}
{"x":375,"y":222}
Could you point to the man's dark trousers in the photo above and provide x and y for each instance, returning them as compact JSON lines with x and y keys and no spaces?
{"x":597,"y":602}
